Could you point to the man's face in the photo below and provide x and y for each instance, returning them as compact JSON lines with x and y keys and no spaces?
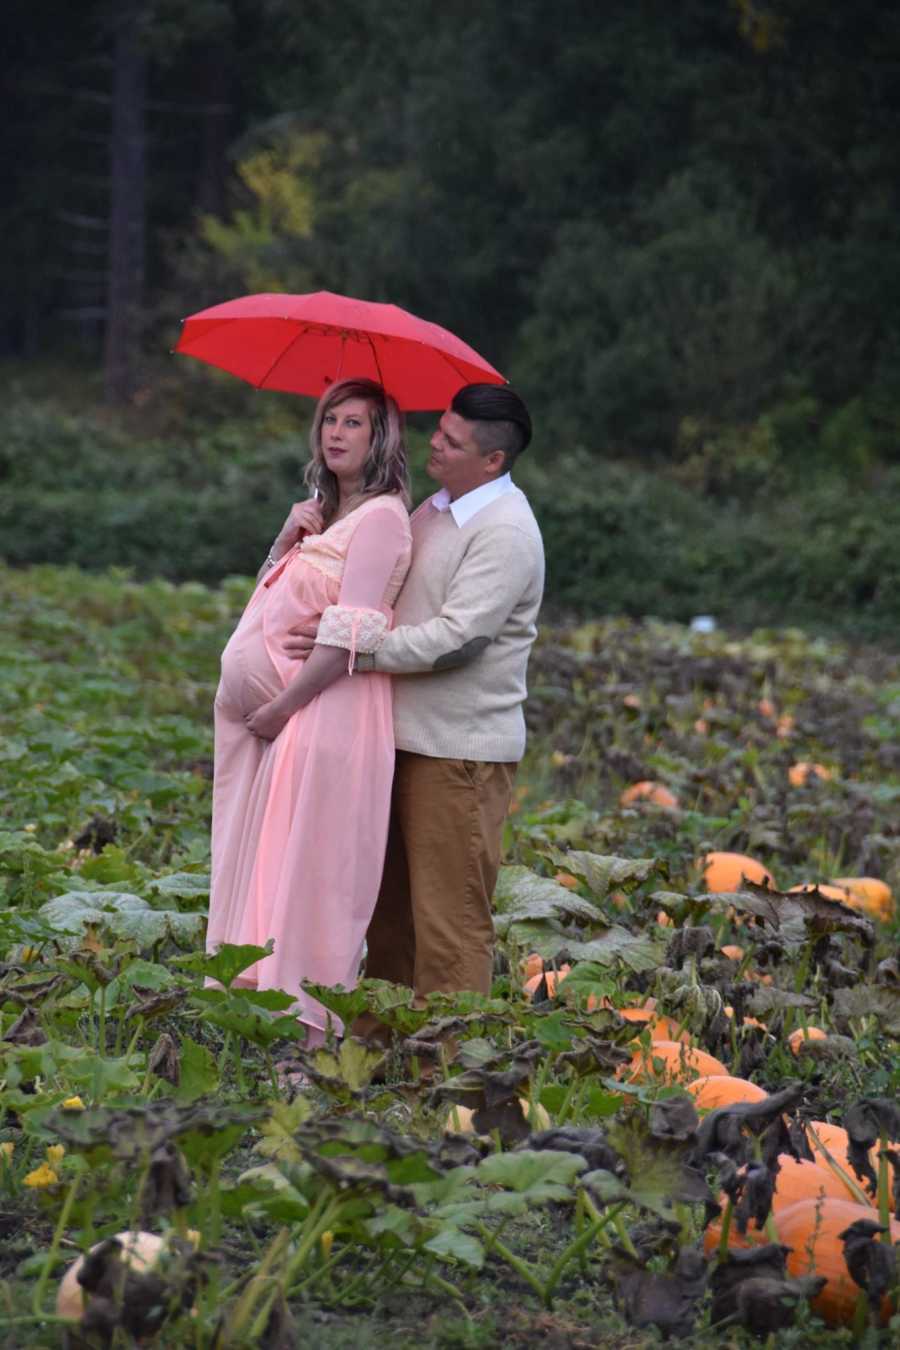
{"x":456,"y":461}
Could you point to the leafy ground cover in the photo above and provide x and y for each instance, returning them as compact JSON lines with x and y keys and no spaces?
{"x":598,"y":1195}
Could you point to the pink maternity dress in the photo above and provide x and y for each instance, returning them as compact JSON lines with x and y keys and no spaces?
{"x":300,"y":823}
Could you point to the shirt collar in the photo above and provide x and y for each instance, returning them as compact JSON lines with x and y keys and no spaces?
{"x":465,"y":507}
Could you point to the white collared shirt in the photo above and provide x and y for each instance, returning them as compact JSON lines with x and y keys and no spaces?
{"x":470,"y":503}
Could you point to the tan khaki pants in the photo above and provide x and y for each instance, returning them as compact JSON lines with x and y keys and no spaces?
{"x":432,"y":927}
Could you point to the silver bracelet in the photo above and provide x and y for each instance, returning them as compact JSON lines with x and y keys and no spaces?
{"x":270,"y":561}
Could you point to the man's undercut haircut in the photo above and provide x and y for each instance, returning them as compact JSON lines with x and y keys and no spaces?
{"x":502,"y":421}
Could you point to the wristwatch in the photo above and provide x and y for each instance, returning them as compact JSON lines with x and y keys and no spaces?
{"x":364,"y":661}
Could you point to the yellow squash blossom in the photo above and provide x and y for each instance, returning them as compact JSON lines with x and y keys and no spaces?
{"x":55,"y":1154}
{"x":7,"y":1148}
{"x":73,"y":1104}
{"x":42,"y":1176}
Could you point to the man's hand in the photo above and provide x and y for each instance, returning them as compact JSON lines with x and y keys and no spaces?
{"x":300,"y":640}
{"x":269,"y":720}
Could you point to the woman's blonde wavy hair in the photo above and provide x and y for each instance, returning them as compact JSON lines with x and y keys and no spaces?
{"x":386,"y":468}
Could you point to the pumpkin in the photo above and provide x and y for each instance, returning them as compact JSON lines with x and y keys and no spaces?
{"x":566,"y":879}
{"x":140,"y":1252}
{"x":532,"y":965}
{"x":811,"y":1228}
{"x":796,"y":1038}
{"x":805,"y":1180}
{"x":799,"y":773}
{"x":795,"y":1182}
{"x":869,"y":894}
{"x":554,"y":979}
{"x":656,"y":794}
{"x":829,"y":892}
{"x":835,"y":1139}
{"x":726,"y":871}
{"x":459,"y":1118}
{"x":671,"y":1061}
{"x":664,"y":920}
{"x":661,"y":1028}
{"x":721,"y":1089}
{"x":748,"y":1021}
{"x":733,"y":952}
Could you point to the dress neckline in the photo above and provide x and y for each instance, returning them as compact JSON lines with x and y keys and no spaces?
{"x":367,"y":501}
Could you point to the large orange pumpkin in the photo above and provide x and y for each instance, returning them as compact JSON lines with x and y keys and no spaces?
{"x":869,"y":894}
{"x":655,"y":794}
{"x":810,"y":1228}
{"x":554,"y":979}
{"x":794,"y":1183}
{"x":836,"y":1140}
{"x":721,"y":1089}
{"x":671,"y":1062}
{"x":806,"y":1181}
{"x":829,"y":892}
{"x":661,"y":1028}
{"x":796,"y":1038}
{"x":725,"y":871}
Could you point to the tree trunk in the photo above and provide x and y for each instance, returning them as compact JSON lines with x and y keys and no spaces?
{"x":125,"y":283}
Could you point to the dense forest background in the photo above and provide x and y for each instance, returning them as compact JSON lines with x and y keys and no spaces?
{"x":674,"y":227}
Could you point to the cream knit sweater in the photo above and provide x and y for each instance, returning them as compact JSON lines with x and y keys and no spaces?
{"x":465,"y":621}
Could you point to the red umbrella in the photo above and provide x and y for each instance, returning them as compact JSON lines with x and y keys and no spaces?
{"x":303,"y":343}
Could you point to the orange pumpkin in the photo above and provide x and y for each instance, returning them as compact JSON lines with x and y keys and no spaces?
{"x":661,"y":1028}
{"x":805,"y":1180}
{"x":795,"y":1182}
{"x":566,"y":879}
{"x":554,"y":979}
{"x":721,"y":1089}
{"x":655,"y":794}
{"x":829,"y":892}
{"x":869,"y":894}
{"x":725,"y":871}
{"x":800,"y":773}
{"x":664,"y":920}
{"x":810,"y":1228}
{"x":823,"y":1135}
{"x":748,"y":1021}
{"x":532,"y":965}
{"x":671,"y":1062}
{"x":733,"y":952}
{"x":796,"y":1038}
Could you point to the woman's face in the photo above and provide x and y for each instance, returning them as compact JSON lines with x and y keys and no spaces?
{"x":346,"y":437}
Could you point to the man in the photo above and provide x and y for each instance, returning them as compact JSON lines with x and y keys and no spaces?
{"x":465,"y":622}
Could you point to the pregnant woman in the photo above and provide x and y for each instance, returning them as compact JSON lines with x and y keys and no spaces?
{"x":304,"y":751}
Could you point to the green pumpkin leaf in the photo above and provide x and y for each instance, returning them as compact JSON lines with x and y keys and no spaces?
{"x":451,"y":1244}
{"x":541,"y":1176}
{"x":198,"y":1075}
{"x":226,"y":963}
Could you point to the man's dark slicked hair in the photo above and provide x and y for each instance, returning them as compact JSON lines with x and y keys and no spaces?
{"x":495,"y":403}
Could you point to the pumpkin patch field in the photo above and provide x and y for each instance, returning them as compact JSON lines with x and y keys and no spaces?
{"x":677,"y":1116}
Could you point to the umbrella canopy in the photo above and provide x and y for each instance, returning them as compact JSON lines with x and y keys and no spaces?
{"x":301,"y":344}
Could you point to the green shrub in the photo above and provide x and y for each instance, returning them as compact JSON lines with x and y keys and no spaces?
{"x":619,"y":539}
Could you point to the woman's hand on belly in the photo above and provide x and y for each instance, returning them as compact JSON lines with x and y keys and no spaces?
{"x":269,"y":719}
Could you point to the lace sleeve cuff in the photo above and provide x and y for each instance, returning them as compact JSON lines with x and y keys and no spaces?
{"x":359,"y":630}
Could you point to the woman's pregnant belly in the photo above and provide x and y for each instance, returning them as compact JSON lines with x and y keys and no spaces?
{"x":249,"y":679}
{"x":254,"y":665}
